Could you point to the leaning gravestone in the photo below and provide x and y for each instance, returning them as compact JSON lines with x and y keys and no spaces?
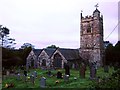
{"x":82,"y":70}
{"x":43,"y":82}
{"x":67,"y":70}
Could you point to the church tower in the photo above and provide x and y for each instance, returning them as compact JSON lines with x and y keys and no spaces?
{"x":91,"y":38}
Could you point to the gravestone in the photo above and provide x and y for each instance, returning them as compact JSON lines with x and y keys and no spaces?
{"x":18,"y":76}
{"x":67,"y":69}
{"x":25,"y":73}
{"x":82,"y":70}
{"x":32,"y":78}
{"x":43,"y":82}
{"x":49,"y":73}
{"x":59,"y":75}
{"x":35,"y":74}
{"x":93,"y":71}
{"x":106,"y":69}
{"x":7,"y":73}
{"x":24,"y":78}
{"x":75,"y":78}
{"x":66,"y":78}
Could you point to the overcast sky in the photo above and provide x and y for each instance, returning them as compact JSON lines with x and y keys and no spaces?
{"x":54,"y":22}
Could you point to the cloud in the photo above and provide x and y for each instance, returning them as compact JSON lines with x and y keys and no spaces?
{"x":45,"y":22}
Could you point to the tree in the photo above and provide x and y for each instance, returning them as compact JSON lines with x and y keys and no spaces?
{"x":6,"y":42}
{"x":27,"y":45}
{"x":52,"y":46}
{"x":117,"y":53}
{"x":24,"y":51}
{"x":109,"y":54}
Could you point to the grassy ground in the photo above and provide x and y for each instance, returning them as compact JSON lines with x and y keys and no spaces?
{"x":50,"y":81}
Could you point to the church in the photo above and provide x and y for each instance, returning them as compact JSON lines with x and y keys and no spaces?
{"x":91,"y":47}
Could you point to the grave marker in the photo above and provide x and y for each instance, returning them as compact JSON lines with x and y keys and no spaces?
{"x":43,"y":82}
{"x":66,"y":78}
{"x":93,"y":69}
{"x":59,"y":75}
{"x":67,"y":69}
{"x":106,"y":69}
{"x":82,"y":70}
{"x":35,"y":74}
{"x":18,"y":76}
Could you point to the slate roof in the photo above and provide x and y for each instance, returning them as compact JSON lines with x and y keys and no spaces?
{"x":37,"y":51}
{"x":70,"y":54}
{"x":50,"y":51}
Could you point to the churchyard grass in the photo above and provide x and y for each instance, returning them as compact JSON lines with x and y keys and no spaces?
{"x":51,"y":81}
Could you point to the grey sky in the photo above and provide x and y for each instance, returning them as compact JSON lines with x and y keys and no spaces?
{"x":46,"y":22}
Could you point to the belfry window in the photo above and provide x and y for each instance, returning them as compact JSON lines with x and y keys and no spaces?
{"x":88,"y":29}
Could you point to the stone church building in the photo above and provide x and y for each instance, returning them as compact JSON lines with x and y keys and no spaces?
{"x":91,"y":47}
{"x":91,"y":38}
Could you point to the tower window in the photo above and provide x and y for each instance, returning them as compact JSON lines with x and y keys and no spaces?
{"x":89,"y":29}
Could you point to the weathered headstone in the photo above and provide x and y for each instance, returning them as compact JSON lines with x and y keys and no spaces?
{"x":67,"y":69}
{"x":66,"y":78}
{"x":106,"y":69}
{"x":18,"y":76}
{"x":49,"y":73}
{"x":7,"y":73}
{"x":32,"y":78}
{"x":82,"y":70}
{"x":43,"y":82}
{"x":25,"y":73}
{"x":59,"y":75}
{"x":24,"y":78}
{"x":35,"y":74}
{"x":75,"y":78}
{"x":93,"y":71}
{"x":73,"y":65}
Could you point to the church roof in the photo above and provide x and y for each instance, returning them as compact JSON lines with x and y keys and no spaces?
{"x":70,"y":54}
{"x":50,"y":51}
{"x":37,"y":51}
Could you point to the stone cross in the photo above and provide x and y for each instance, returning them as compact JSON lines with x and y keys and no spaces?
{"x":43,"y":82}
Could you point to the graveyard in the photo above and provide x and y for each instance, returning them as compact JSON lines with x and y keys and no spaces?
{"x":51,"y":80}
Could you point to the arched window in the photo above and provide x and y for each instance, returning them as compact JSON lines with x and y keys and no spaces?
{"x":57,"y":61}
{"x":88,"y":29}
{"x":43,"y":62}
